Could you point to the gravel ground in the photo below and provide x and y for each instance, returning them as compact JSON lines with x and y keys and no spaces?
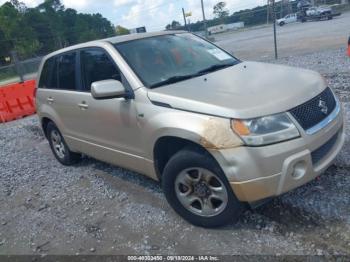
{"x":95,"y":208}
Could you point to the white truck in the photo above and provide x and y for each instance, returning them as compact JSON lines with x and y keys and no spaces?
{"x":312,"y":13}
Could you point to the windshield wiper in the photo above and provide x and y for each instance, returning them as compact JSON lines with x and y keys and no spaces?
{"x":214,"y":68}
{"x":173,"y":80}
{"x":179,"y":78}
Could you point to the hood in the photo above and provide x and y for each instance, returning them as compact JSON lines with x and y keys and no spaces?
{"x":246,"y":90}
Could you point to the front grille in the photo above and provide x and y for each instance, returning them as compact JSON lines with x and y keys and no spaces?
{"x":323,"y":150}
{"x":315,"y":110}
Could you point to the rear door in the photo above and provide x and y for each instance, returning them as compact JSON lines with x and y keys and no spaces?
{"x":66,"y":96}
{"x":59,"y":91}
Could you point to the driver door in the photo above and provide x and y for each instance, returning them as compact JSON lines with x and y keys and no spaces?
{"x":108,"y":128}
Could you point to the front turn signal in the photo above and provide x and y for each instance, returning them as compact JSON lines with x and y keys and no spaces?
{"x":239,"y":127}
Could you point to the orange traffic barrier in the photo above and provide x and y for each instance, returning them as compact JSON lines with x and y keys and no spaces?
{"x":17,"y":101}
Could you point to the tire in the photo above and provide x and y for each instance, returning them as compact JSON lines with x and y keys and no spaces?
{"x":182,"y":173}
{"x":282,"y":24}
{"x":330,"y":17}
{"x":59,"y":147}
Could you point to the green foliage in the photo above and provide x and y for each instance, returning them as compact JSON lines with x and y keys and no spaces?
{"x":47,"y":27}
{"x":220,"y":10}
{"x":173,"y":26}
{"x":17,"y":34}
{"x":5,"y":49}
{"x":121,"y":30}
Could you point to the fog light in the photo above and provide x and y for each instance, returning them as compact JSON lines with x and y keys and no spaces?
{"x":299,"y":170}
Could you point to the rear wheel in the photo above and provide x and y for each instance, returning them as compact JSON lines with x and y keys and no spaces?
{"x":59,"y":146}
{"x":198,"y":190}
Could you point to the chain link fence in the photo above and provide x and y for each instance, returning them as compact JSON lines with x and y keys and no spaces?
{"x":18,"y":71}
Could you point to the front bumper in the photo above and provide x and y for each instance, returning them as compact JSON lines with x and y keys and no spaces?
{"x":256,"y":173}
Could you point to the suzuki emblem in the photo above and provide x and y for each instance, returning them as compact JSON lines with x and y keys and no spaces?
{"x":323,"y":105}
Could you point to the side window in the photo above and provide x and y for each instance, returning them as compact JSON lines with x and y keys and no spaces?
{"x":96,"y":65}
{"x":66,"y":71}
{"x":48,"y":77}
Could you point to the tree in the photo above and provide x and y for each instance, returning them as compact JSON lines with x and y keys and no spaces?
{"x":220,"y":10}
{"x":16,"y":33}
{"x":5,"y":49}
{"x":20,"y":6}
{"x":121,"y":30}
{"x":51,"y":6}
{"x":47,"y":27}
{"x":173,"y":26}
{"x":40,"y":24}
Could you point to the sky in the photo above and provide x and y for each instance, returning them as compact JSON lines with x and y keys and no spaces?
{"x":154,"y":14}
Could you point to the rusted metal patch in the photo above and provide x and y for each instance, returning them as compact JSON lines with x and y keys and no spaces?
{"x":217,"y":135}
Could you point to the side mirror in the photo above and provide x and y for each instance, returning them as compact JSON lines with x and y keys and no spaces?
{"x":107,"y":89}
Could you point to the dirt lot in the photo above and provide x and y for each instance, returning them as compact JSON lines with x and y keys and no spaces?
{"x":292,"y":39}
{"x":95,"y":208}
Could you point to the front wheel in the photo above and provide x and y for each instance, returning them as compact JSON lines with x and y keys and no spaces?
{"x":197,"y":189}
{"x":282,"y":23}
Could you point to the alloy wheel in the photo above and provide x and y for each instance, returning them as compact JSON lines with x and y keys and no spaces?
{"x":57,"y":143}
{"x":201,"y":192}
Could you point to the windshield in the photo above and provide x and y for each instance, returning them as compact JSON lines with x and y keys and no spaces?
{"x":172,"y":58}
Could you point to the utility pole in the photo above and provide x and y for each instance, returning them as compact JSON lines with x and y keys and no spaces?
{"x":282,"y":4}
{"x":204,"y":20}
{"x":274,"y":27}
{"x":289,"y":7}
{"x":267,"y":12}
{"x":183,"y":12}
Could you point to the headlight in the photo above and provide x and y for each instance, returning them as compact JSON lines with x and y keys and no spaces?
{"x":265,"y":130}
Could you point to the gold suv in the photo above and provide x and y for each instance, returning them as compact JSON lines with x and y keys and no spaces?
{"x":214,"y":130}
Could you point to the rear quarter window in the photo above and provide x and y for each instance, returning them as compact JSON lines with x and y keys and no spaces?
{"x":48,"y":77}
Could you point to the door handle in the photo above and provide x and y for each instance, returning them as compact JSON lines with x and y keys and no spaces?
{"x":50,"y":100}
{"x":83,"y":106}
